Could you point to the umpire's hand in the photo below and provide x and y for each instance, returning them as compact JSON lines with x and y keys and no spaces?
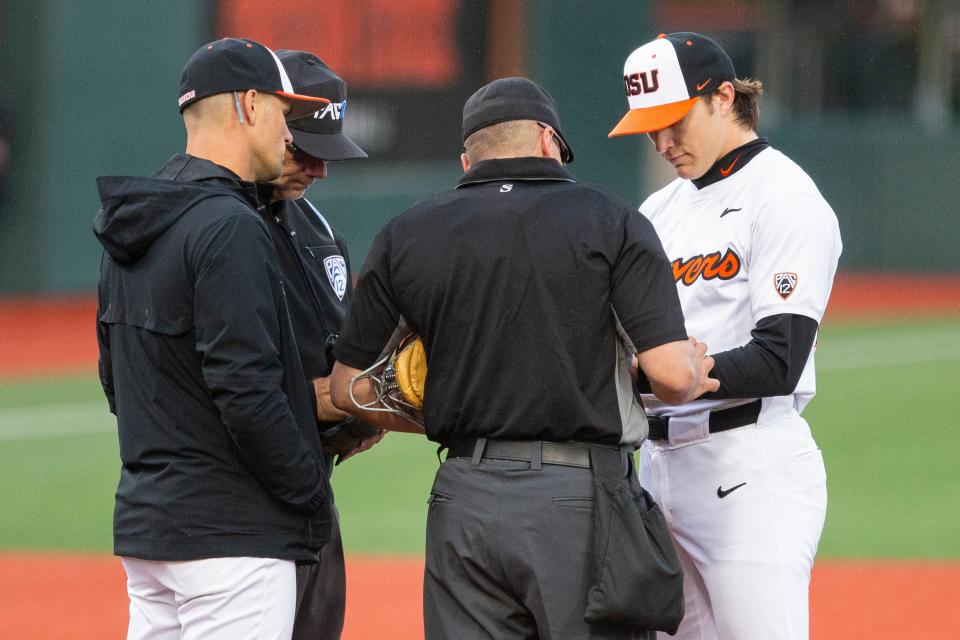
{"x":365,"y":444}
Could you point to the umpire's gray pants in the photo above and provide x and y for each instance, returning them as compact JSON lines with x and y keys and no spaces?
{"x":508,"y":553}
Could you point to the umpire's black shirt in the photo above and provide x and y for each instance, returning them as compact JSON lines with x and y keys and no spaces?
{"x":314,"y":262}
{"x":510,"y":279}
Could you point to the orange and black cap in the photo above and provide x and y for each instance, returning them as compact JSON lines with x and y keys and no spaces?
{"x":237,"y":64}
{"x":664,"y":77}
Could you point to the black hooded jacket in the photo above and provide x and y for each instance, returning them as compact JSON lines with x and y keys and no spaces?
{"x":199,"y":363}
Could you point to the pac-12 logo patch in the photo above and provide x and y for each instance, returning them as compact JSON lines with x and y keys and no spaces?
{"x":785,"y":283}
{"x":336,"y":268}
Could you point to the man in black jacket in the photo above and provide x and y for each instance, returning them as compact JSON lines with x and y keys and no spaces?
{"x":315,"y":267}
{"x":223,"y":485}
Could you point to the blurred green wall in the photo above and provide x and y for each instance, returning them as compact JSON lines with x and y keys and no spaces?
{"x":93,"y":89}
{"x":98,"y":97}
{"x":895,"y":189}
{"x":576,"y":49}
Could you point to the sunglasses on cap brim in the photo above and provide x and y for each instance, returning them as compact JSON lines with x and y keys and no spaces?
{"x":302,"y":156}
{"x":564,"y":149}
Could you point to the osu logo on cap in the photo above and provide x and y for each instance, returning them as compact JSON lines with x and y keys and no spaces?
{"x":645,"y":82}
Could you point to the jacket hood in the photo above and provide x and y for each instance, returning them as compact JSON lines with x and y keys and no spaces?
{"x":135,"y":211}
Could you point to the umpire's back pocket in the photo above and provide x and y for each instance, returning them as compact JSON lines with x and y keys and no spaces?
{"x":638,"y":581}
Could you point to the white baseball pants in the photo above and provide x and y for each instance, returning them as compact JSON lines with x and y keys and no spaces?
{"x":746,"y":509}
{"x":212,"y":599}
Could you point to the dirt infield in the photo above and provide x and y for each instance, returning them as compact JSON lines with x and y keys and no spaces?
{"x":82,"y":598}
{"x":866,"y":295}
{"x":49,"y":336}
{"x":55,"y":336}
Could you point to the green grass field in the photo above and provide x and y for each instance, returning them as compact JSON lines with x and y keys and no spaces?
{"x":886,"y":416}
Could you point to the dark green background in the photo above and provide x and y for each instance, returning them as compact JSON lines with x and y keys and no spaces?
{"x":93,"y":86}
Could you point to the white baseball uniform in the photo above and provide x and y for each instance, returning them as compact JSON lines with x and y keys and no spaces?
{"x":745,"y":506}
{"x":211,"y":599}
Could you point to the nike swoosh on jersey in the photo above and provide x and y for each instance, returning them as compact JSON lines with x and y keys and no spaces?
{"x":723,"y":493}
{"x":728,"y":210}
{"x":726,"y":172}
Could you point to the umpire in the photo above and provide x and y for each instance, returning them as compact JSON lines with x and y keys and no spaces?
{"x":316,"y":273}
{"x":512,"y":280}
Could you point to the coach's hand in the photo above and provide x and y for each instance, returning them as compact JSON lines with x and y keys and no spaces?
{"x":326,"y":412}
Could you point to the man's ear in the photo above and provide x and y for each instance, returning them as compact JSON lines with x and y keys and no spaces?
{"x":546,"y":147}
{"x":465,"y":161}
{"x":250,"y":103}
{"x":724,"y":96}
{"x":543,"y":144}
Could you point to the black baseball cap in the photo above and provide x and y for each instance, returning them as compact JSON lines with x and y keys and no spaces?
{"x":663,"y":79}
{"x":320,"y":134}
{"x":237,"y":64}
{"x":513,"y":99}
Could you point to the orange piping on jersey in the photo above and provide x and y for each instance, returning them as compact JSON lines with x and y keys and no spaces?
{"x":726,"y":172}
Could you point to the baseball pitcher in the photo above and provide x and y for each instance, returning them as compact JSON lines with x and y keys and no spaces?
{"x":754,"y":248}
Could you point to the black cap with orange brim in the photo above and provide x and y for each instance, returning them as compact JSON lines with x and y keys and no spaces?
{"x":237,"y":64}
{"x":664,"y":78}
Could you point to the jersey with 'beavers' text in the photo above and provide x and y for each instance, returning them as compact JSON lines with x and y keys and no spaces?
{"x":757,"y":243}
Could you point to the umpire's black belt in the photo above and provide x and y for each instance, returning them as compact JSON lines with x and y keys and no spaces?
{"x":722,"y":420}
{"x":568,"y":454}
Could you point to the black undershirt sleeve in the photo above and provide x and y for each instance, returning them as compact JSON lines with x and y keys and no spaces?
{"x":769,"y":365}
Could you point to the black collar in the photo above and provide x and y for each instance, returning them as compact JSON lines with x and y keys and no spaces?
{"x":265,"y":193}
{"x":529,"y":168}
{"x":731,"y":163}
{"x":186,"y":168}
